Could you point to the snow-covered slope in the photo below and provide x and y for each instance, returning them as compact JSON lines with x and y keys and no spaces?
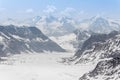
{"x":72,"y":41}
{"x":67,"y":42}
{"x":99,"y":25}
{"x":99,"y":46}
{"x":103,"y":50}
{"x":44,"y":66}
{"x":14,"y":40}
{"x":105,"y":70}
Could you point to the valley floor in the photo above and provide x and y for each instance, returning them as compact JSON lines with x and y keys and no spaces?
{"x":44,"y":66}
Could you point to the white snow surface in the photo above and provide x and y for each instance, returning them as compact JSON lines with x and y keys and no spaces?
{"x":41,"y":66}
{"x":66,"y":41}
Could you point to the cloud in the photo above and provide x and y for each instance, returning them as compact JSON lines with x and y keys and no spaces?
{"x":68,"y":12}
{"x":50,"y":9}
{"x":29,"y":11}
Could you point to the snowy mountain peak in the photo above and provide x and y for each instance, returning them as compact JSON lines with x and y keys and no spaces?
{"x":99,"y":24}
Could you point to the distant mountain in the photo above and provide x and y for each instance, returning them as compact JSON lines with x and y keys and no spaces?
{"x":58,"y":26}
{"x":73,"y":40}
{"x":81,"y":37}
{"x":68,"y":42}
{"x":62,"y":26}
{"x":99,"y":25}
{"x":55,"y":26}
{"x":15,"y":40}
{"x":88,"y":27}
{"x":95,"y":25}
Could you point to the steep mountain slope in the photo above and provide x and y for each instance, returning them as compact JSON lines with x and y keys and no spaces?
{"x":103,"y":50}
{"x":99,"y":46}
{"x":14,"y":40}
{"x":105,"y":70}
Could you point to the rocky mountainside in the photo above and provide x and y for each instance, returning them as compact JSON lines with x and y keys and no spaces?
{"x":99,"y":46}
{"x":105,"y":70}
{"x":103,"y":50}
{"x":14,"y":40}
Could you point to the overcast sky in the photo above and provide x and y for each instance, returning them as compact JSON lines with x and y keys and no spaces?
{"x":83,"y":8}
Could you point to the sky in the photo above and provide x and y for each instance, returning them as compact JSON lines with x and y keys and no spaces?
{"x":82,"y":8}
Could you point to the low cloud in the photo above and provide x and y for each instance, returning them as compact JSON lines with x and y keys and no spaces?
{"x":68,"y":12}
{"x":50,"y":9}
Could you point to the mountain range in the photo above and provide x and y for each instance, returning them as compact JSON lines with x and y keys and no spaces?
{"x":52,"y":25}
{"x":59,"y":27}
{"x":95,"y":41}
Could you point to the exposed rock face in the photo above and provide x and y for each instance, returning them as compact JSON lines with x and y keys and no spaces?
{"x":105,"y":70}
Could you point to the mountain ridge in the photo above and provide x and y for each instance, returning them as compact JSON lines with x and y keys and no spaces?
{"x":15,"y":40}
